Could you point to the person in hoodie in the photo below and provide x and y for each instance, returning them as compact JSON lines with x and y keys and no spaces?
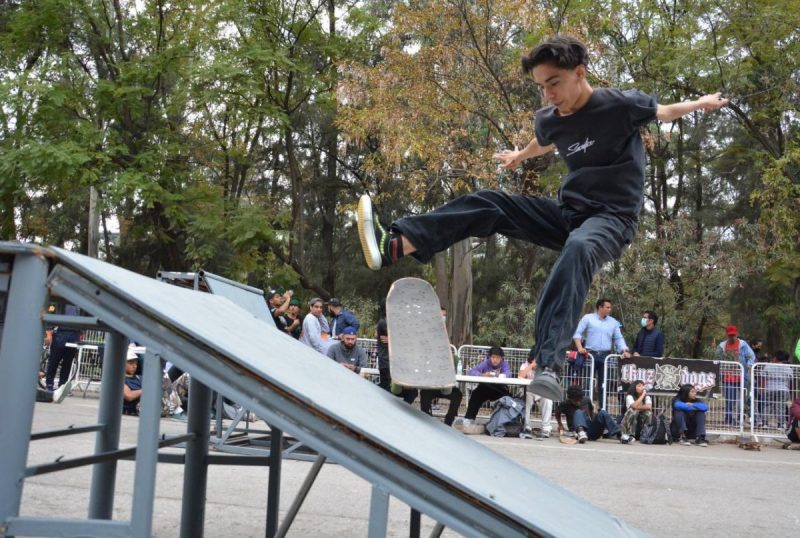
{"x":689,"y":417}
{"x":735,"y":349}
{"x":581,"y":418}
{"x":494,"y":365}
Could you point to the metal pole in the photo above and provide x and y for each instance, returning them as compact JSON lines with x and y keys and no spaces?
{"x":144,"y":484}
{"x":437,"y":530}
{"x":378,"y":512}
{"x":101,"y":497}
{"x":19,"y":363}
{"x":414,"y":527}
{"x":274,"y":484}
{"x":301,"y":496}
{"x":195,"y":474}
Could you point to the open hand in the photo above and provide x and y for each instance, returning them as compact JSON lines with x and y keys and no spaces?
{"x":712,"y":101}
{"x":510,"y":159}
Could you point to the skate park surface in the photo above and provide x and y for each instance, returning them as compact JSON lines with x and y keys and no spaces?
{"x":662,"y":490}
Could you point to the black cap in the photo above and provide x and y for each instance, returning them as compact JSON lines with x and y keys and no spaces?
{"x":334,"y":302}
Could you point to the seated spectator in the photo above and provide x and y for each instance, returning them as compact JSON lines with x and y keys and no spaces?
{"x":793,"y":431}
{"x":132,"y":390}
{"x":294,"y":325}
{"x":689,"y":417}
{"x":426,"y":397}
{"x":527,"y":371}
{"x":777,"y":387}
{"x":494,"y":365}
{"x":581,"y":418}
{"x":347,"y":353}
{"x":650,"y":340}
{"x":341,"y":319}
{"x":638,"y":405}
{"x":312,"y":327}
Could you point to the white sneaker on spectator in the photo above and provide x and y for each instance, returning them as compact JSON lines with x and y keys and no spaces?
{"x":625,"y":439}
{"x":526,"y":433}
{"x":582,"y":437}
{"x":631,"y":440}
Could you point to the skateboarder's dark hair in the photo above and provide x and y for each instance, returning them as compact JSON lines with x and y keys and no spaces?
{"x":495,"y":351}
{"x":561,"y":51}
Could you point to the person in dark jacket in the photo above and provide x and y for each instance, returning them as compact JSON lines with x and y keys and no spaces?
{"x":341,"y":319}
{"x":650,"y":340}
{"x":689,"y":417}
{"x":60,"y":353}
{"x":793,"y":432}
{"x":582,"y":419}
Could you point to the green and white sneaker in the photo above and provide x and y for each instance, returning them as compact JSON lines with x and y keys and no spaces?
{"x":374,"y":237}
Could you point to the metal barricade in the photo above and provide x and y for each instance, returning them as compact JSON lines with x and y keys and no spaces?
{"x":471,"y":356}
{"x":370,"y":345}
{"x":725,"y":413}
{"x":773,"y":386}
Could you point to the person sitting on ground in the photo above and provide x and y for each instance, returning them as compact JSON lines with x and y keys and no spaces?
{"x":347,"y":353}
{"x":650,"y":340}
{"x":294,"y":325}
{"x":528,"y":371}
{"x":312,"y":327}
{"x":132,"y":389}
{"x":688,"y":417}
{"x":793,"y":430}
{"x":581,"y":418}
{"x":341,"y":318}
{"x":639,"y":406}
{"x":494,"y":365}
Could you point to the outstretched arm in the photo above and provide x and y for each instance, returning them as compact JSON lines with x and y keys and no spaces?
{"x":512,"y":159}
{"x":676,"y":110}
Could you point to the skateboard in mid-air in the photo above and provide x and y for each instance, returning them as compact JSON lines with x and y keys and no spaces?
{"x":419,"y":348}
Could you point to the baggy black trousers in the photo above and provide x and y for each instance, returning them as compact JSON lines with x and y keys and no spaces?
{"x":586,"y":242}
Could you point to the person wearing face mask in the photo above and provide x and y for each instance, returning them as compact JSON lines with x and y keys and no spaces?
{"x":650,"y":340}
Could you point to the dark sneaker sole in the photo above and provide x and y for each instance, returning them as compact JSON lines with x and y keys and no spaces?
{"x":366,"y":233}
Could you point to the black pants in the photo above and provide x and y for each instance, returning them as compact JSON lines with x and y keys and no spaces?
{"x":426,"y":400}
{"x":59,"y":354}
{"x":483,"y":393}
{"x":586,"y":242}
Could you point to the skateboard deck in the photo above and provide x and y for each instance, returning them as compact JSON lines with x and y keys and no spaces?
{"x":419,"y":348}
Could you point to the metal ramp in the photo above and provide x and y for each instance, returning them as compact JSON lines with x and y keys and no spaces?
{"x":401,"y":451}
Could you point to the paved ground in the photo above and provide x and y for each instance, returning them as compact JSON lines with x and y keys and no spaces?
{"x":664,"y":490}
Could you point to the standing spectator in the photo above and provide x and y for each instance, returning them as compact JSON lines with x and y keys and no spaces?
{"x":382,"y":338}
{"x":60,"y":353}
{"x":581,"y":419}
{"x":494,"y":365}
{"x":650,"y":340}
{"x":793,"y":430}
{"x":294,"y":325}
{"x":602,"y":334}
{"x":347,"y":353}
{"x":342,"y":318}
{"x":312,"y":327}
{"x":735,"y":349}
{"x":639,"y":406}
{"x":689,"y":417}
{"x":527,"y":370}
{"x":278,"y":302}
{"x":777,"y":387}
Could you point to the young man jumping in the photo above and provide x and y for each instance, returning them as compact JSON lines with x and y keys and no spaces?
{"x":596,"y":132}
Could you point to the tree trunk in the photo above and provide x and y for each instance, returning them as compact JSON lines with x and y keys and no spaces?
{"x":443,"y":284}
{"x":297,"y":237}
{"x":460,"y":311}
{"x":93,"y":234}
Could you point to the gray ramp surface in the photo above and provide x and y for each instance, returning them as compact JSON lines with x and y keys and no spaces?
{"x":407,"y":454}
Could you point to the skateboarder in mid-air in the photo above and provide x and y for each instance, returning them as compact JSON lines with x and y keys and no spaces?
{"x":596,"y":132}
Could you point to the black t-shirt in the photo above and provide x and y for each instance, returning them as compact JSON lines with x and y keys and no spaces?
{"x":568,"y":408}
{"x":280,"y":321}
{"x":603,"y":150}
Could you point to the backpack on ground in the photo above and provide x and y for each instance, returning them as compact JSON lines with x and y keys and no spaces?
{"x":506,"y":419}
{"x":656,"y":432}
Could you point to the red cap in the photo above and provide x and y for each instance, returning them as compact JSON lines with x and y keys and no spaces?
{"x":731,"y":330}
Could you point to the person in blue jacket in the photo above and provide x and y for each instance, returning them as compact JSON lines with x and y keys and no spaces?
{"x":689,"y":417}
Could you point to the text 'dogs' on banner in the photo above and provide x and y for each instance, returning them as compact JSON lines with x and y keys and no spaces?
{"x":667,"y":375}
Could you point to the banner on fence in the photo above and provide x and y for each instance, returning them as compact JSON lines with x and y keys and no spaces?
{"x":667,"y":375}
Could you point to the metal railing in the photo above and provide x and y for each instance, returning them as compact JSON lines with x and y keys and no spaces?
{"x":773,"y":386}
{"x":725,"y":413}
